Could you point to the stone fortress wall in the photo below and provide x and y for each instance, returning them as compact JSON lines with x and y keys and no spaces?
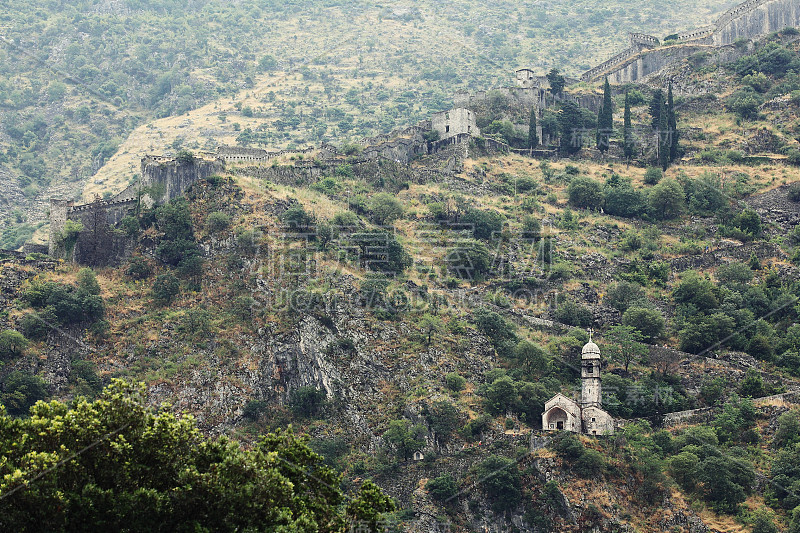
{"x":239,"y":154}
{"x":98,"y":244}
{"x":751,"y":19}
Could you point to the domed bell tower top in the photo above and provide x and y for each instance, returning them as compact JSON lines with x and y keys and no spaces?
{"x":591,"y":393}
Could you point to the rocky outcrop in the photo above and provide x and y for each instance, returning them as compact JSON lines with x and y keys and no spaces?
{"x":775,"y":208}
{"x":726,"y":253}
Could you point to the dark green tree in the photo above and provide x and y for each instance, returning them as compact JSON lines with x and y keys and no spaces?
{"x":585,"y":193}
{"x":307,"y":402}
{"x":626,"y":345}
{"x":12,"y":344}
{"x":664,"y":135}
{"x":629,"y":147}
{"x":672,"y":125}
{"x":494,"y":326}
{"x":785,"y":476}
{"x":648,"y":322}
{"x":443,"y":418}
{"x":605,"y":120}
{"x":486,"y":223}
{"x":667,"y":200}
{"x":442,"y":488}
{"x":165,"y":288}
{"x":625,"y":294}
{"x":385,"y":209}
{"x":501,"y":480}
{"x":430,"y":324}
{"x":20,"y":390}
{"x":406,"y":438}
{"x":656,"y":108}
{"x":623,"y":200}
{"x":557,"y":82}
{"x":763,"y":522}
{"x":533,"y":136}
{"x":382,"y":252}
{"x":725,"y":482}
{"x":570,"y":125}
{"x":469,"y":260}
{"x":788,"y":432}
{"x":501,"y":396}
{"x":366,"y":509}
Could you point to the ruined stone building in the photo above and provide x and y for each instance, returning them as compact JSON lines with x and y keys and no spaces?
{"x":455,"y":122}
{"x":526,"y":78}
{"x":586,"y":416}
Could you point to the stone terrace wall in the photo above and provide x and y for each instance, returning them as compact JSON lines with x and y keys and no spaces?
{"x":704,"y":414}
{"x":607,"y":66}
{"x":99,"y":244}
{"x":739,"y":10}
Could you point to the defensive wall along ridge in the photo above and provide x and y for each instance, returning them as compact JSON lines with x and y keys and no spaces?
{"x":752,"y":19}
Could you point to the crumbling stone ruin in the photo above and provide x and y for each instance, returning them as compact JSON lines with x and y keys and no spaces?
{"x":98,"y":243}
{"x":749,"y":20}
{"x":454,"y":122}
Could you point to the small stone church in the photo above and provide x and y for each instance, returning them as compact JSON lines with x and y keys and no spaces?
{"x":562,"y":413}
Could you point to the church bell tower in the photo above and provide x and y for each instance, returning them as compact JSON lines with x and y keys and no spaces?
{"x":591,"y":393}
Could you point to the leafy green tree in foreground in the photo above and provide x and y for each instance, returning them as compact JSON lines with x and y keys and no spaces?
{"x":114,"y":465}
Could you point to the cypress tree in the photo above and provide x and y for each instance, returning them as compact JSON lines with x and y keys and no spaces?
{"x":533,"y":137}
{"x":656,"y":106}
{"x":628,"y":130}
{"x":605,"y":119}
{"x":557,"y":81}
{"x":663,"y":136}
{"x":672,"y":124}
{"x":570,"y":123}
{"x":598,"y":137}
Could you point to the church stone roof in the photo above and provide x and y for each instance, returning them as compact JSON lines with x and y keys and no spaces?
{"x":590,"y":351}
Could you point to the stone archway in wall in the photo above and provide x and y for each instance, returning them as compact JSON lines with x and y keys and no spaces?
{"x":557,"y":418}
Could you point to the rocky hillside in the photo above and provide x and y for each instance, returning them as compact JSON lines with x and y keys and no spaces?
{"x":414,"y":321}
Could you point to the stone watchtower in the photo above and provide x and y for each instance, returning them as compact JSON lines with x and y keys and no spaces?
{"x":591,"y":393}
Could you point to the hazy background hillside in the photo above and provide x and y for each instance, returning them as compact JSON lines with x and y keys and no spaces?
{"x":79,"y":77}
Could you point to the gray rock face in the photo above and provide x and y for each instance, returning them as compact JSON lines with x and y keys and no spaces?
{"x":775,"y":207}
